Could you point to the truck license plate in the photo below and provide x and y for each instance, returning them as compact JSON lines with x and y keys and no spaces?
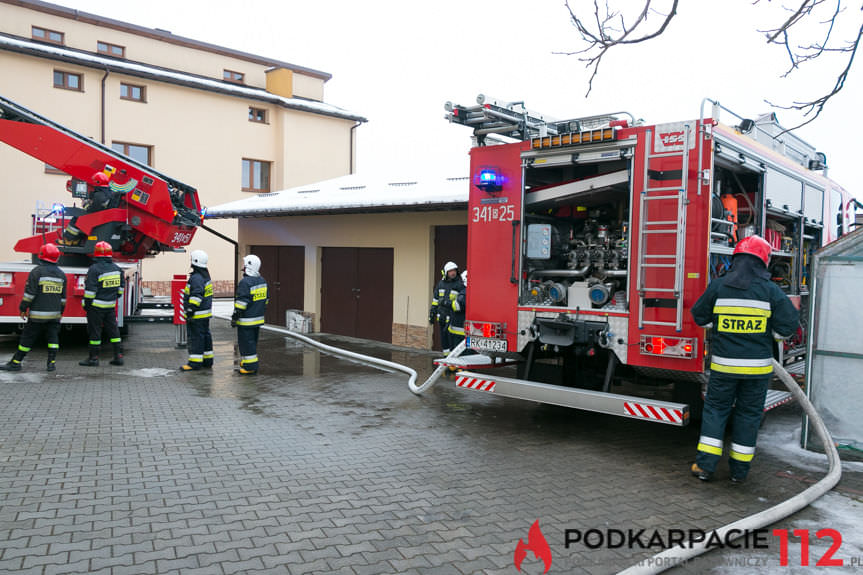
{"x":486,"y":344}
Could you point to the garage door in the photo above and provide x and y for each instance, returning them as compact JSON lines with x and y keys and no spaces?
{"x":284,"y":269}
{"x":357,"y":292}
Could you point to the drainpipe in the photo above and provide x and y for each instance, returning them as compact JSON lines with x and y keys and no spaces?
{"x":354,"y":127}
{"x":105,"y":77}
{"x":232,"y":241}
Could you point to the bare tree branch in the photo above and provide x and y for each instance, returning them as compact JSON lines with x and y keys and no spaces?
{"x":607,"y":28}
{"x":604,"y":36}
{"x":818,"y":104}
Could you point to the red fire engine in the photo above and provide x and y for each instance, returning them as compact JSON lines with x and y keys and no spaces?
{"x":147,"y":213}
{"x":590,"y":239}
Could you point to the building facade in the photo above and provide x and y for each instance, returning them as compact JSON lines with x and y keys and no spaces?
{"x":359,"y":256}
{"x":228,"y":123}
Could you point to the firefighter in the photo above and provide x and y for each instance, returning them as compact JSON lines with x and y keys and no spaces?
{"x":103,"y":286}
{"x":98,"y":199}
{"x":745,"y":311}
{"x":441,"y":306}
{"x":250,"y":306}
{"x":455,"y":327}
{"x":44,"y":300}
{"x":197,"y":303}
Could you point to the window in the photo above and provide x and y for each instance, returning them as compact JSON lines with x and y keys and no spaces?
{"x":256,"y":176}
{"x":68,"y":81}
{"x":133,"y":92}
{"x":111,"y":49}
{"x":143,"y":154}
{"x":231,"y":76}
{"x":258,"y":115}
{"x":46,"y":35}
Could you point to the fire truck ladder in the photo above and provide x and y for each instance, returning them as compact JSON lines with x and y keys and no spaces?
{"x":650,"y":228}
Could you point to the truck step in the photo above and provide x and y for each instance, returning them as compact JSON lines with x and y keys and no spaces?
{"x":775,"y":398}
{"x":645,"y":409}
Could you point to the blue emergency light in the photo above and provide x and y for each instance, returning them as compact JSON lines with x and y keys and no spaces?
{"x":489,"y":180}
{"x":58,"y":209}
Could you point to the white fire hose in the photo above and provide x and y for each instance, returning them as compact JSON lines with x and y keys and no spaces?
{"x":678,"y":555}
{"x":342,"y":352}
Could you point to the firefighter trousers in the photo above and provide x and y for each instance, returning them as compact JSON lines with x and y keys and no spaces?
{"x":199,"y":342}
{"x":30,"y":335}
{"x":740,"y":399}
{"x":446,"y":337}
{"x":247,"y":341}
{"x":97,"y":318}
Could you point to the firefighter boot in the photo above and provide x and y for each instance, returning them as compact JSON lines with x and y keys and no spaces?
{"x":51,"y":365}
{"x":700,"y":473}
{"x":92,"y":360}
{"x":14,"y":364}
{"x":118,"y":354}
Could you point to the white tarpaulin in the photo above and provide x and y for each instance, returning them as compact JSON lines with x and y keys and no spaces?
{"x":835,"y":352}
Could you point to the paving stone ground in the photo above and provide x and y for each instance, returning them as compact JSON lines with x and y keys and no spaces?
{"x":320,"y":465}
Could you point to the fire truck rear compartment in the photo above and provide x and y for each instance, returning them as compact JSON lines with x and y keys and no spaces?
{"x":576,"y":227}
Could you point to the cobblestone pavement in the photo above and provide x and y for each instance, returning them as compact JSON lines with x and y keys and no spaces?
{"x":320,"y":465}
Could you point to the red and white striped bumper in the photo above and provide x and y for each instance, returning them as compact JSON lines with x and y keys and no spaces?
{"x":656,"y":413}
{"x":475,"y":383}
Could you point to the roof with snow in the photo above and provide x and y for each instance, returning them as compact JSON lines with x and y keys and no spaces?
{"x":351,"y":194}
{"x":157,"y":73}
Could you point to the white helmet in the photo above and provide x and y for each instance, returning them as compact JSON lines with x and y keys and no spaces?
{"x":199,"y":258}
{"x":449,"y":266}
{"x":252,"y":265}
{"x":464,"y":278}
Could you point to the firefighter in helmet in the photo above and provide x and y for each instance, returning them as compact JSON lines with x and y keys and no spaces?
{"x":103,"y":286}
{"x":457,"y":314}
{"x":42,"y":305}
{"x":441,"y":306}
{"x":745,"y":311}
{"x":250,"y":307}
{"x":197,"y":303}
{"x":98,"y":199}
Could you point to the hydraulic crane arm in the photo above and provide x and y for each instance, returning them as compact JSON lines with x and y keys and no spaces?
{"x":151,"y":212}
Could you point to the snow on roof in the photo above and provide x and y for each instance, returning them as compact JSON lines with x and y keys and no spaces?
{"x":172,"y":76}
{"x":352,"y":193}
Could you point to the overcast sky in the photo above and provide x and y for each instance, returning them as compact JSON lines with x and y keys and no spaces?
{"x":397,"y":61}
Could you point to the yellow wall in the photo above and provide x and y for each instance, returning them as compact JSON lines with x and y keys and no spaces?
{"x":197,"y":137}
{"x":411,"y":235}
{"x":83,"y":36}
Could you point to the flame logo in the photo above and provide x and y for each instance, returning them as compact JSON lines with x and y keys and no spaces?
{"x":535,"y":542}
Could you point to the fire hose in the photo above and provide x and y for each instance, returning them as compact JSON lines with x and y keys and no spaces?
{"x":388,"y":365}
{"x":678,"y":555}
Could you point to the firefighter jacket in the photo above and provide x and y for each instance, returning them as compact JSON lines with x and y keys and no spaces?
{"x":104,"y":284}
{"x":198,"y":294}
{"x":445,"y":293}
{"x":45,"y":293}
{"x":250,"y":303}
{"x":457,"y":311}
{"x":745,"y":312}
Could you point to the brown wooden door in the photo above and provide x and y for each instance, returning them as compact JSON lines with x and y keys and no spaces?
{"x":284,"y":269}
{"x":357,"y":292}
{"x":450,"y":244}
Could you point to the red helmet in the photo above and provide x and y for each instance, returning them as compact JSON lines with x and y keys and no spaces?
{"x":102,"y":250}
{"x":754,"y":246}
{"x":49,"y":253}
{"x":100,"y":179}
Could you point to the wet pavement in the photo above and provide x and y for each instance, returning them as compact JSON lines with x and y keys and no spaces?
{"x":322,"y":465}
